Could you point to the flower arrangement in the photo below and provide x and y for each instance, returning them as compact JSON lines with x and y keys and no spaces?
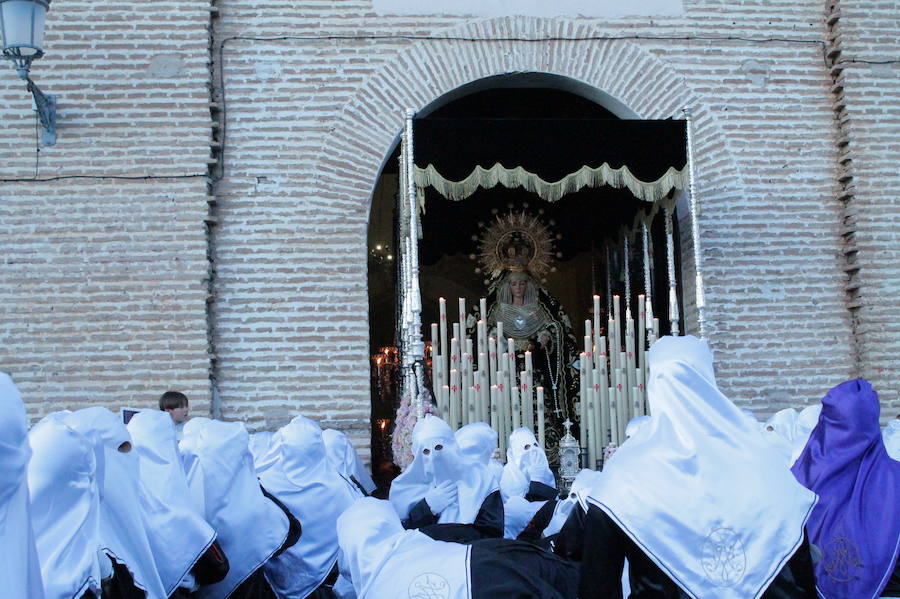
{"x":401,"y":443}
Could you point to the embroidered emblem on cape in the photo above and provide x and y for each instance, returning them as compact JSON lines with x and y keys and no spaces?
{"x":723,"y":557}
{"x":429,"y":586}
{"x":841,"y":559}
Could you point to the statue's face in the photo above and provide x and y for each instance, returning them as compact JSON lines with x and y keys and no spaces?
{"x":517,"y":288}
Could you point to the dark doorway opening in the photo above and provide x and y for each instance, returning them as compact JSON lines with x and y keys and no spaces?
{"x":581,"y":223}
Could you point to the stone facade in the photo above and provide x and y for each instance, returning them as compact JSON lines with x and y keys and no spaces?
{"x":106,"y":291}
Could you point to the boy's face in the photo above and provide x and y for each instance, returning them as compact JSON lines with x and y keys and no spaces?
{"x":178,"y":415}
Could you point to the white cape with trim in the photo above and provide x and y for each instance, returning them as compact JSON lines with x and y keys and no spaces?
{"x":386,"y":562}
{"x":698,"y":489}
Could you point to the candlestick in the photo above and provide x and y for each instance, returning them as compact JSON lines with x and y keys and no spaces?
{"x":472,"y":406}
{"x":613,"y":413}
{"x":462,"y":316}
{"x":466,"y":395}
{"x":445,"y":349}
{"x":630,"y":365}
{"x":483,"y":384}
{"x":642,"y":390}
{"x":492,"y":360}
{"x":445,"y":402}
{"x":495,"y":415}
{"x":642,"y":331}
{"x":584,"y":427}
{"x":540,"y":418}
{"x":603,"y":388}
{"x":527,"y":400}
{"x":503,"y":407}
{"x":611,"y":336}
{"x":627,"y":268}
{"x":455,"y":399}
{"x":597,"y":414}
{"x":622,"y":398}
{"x":482,"y":343}
{"x":514,"y":401}
{"x":596,"y":327}
{"x":454,"y":353}
{"x":436,"y":377}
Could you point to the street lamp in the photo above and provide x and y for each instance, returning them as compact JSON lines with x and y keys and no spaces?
{"x":22,"y":27}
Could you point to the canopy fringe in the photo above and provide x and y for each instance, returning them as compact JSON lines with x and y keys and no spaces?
{"x":551,"y":191}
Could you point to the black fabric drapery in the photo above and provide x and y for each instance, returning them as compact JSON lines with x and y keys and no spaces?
{"x":653,"y":152}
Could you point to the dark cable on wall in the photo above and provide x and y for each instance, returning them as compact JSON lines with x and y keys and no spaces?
{"x":225,"y":41}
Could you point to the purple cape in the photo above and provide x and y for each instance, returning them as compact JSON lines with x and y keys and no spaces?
{"x":856,"y":523}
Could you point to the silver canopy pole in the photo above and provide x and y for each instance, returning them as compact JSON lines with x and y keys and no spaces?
{"x":695,"y":228}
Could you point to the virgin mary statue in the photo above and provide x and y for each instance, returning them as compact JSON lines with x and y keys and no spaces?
{"x":516,"y":250}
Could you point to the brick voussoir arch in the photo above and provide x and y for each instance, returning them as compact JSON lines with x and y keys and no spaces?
{"x":424,"y":71}
{"x":628,"y":79}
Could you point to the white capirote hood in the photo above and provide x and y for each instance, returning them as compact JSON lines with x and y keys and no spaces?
{"x":779,"y":430}
{"x":479,"y":441}
{"x":807,"y":420}
{"x":523,"y":454}
{"x":249,"y":526}
{"x":473,"y":478}
{"x":299,"y":475}
{"x":65,"y":506}
{"x":20,"y":569}
{"x":891,"y":436}
{"x":698,"y":489}
{"x":177,"y":532}
{"x":343,"y":457}
{"x":123,"y":533}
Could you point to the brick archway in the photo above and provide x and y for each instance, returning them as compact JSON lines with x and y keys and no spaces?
{"x":618,"y":74}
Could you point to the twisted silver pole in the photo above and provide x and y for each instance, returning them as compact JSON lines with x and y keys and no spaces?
{"x":674,"y":312}
{"x":648,"y":286}
{"x":626,"y":265}
{"x":417,"y":345}
{"x":695,"y":228}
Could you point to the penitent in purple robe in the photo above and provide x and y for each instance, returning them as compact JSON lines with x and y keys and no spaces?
{"x":856,"y":523}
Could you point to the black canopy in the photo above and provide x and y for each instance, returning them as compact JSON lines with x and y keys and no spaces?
{"x":553,"y":149}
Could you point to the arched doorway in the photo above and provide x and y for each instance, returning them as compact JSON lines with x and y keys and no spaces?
{"x":452,"y":229}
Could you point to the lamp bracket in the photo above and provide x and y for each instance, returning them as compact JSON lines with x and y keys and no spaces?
{"x":45,"y":104}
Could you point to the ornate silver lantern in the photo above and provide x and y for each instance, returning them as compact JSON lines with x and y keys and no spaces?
{"x":568,"y":458}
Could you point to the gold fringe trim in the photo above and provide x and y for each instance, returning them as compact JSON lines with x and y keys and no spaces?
{"x":586,"y":176}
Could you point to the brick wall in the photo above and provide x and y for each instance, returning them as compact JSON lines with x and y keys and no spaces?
{"x":870,"y":43}
{"x":316,"y":118}
{"x":309,"y":123}
{"x":102,"y":280}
